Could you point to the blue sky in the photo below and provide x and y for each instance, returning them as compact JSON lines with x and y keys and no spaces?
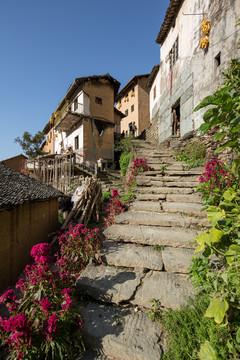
{"x":46,"y":44}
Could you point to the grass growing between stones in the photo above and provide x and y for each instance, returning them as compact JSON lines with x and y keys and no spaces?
{"x":187,"y":329}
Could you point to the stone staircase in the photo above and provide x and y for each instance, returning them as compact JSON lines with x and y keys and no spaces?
{"x":146,"y":256}
{"x":111,"y":179}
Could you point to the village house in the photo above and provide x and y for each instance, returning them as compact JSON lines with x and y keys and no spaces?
{"x":28,"y":214}
{"x":84,"y":121}
{"x":16,"y":163}
{"x":198,"y":39}
{"x":133,"y":101}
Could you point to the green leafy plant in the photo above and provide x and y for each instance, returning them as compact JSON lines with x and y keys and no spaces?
{"x":225,"y":111}
{"x":106,"y":195}
{"x":124,"y":162}
{"x":187,"y":329}
{"x":31,"y":144}
{"x":193,"y":154}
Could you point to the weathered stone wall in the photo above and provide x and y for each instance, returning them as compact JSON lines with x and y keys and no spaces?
{"x":196,"y":72}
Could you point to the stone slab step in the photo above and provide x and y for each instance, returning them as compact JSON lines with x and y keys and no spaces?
{"x":187,"y":208}
{"x":181,"y":183}
{"x":195,"y":171}
{"x":153,"y":197}
{"x":151,"y":235}
{"x":121,"y":334}
{"x":172,"y":290}
{"x":163,"y":190}
{"x":165,"y":178}
{"x":159,"y":219}
{"x":146,"y":206}
{"x":175,"y":173}
{"x":184,"y":198}
{"x":108,"y":284}
{"x":177,"y":260}
{"x":130,"y":255}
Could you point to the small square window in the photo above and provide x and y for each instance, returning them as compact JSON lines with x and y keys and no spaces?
{"x":98,"y":100}
{"x":132,"y":108}
{"x":126,"y":112}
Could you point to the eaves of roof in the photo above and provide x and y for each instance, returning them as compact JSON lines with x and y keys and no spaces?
{"x":171,"y":14}
{"x":79,"y":81}
{"x":130,"y":83}
{"x":17,"y":189}
{"x":119,"y":112}
{"x":152,"y":76}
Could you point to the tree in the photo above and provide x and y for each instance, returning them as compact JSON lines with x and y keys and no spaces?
{"x":30,"y":144}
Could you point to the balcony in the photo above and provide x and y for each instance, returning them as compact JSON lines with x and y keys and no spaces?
{"x":71,"y":113}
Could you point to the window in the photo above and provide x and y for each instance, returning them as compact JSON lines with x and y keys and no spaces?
{"x":132,"y":108}
{"x":98,"y":100}
{"x":76,"y":143}
{"x":126,"y":112}
{"x":173,"y":54}
{"x":75,"y":104}
{"x":218,"y":59}
{"x":154,"y":92}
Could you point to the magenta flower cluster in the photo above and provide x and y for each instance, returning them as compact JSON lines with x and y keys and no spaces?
{"x":139,"y":165}
{"x":216,"y":176}
{"x":114,"y":208}
{"x":77,"y":246}
{"x":40,"y":314}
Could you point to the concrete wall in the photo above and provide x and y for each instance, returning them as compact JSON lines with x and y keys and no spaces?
{"x":195,"y":73}
{"x":21,"y":228}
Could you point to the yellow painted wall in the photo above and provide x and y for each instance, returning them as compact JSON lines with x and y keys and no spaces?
{"x":21,"y":228}
{"x":140,"y":100}
{"x":49,"y":148}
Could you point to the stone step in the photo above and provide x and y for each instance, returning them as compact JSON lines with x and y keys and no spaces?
{"x":171,"y":290}
{"x":151,"y":197}
{"x":163,"y":182}
{"x":173,"y":260}
{"x":166,"y":178}
{"x":163,"y":190}
{"x":153,"y":206}
{"x":151,"y":235}
{"x":108,"y":284}
{"x":160,"y":219}
{"x":186,"y":208}
{"x":113,"y":285}
{"x":120,"y":333}
{"x":195,"y":198}
{"x":131,"y":256}
{"x":168,"y":172}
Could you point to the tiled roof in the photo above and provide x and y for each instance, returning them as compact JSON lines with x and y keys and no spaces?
{"x":79,"y":81}
{"x":17,"y":189}
{"x":171,"y":13}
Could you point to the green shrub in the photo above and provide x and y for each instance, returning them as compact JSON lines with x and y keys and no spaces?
{"x":124,"y":161}
{"x":187,"y":329}
{"x":193,"y":154}
{"x":106,"y":195}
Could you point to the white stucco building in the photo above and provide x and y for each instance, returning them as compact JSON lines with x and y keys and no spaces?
{"x":188,"y":73}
